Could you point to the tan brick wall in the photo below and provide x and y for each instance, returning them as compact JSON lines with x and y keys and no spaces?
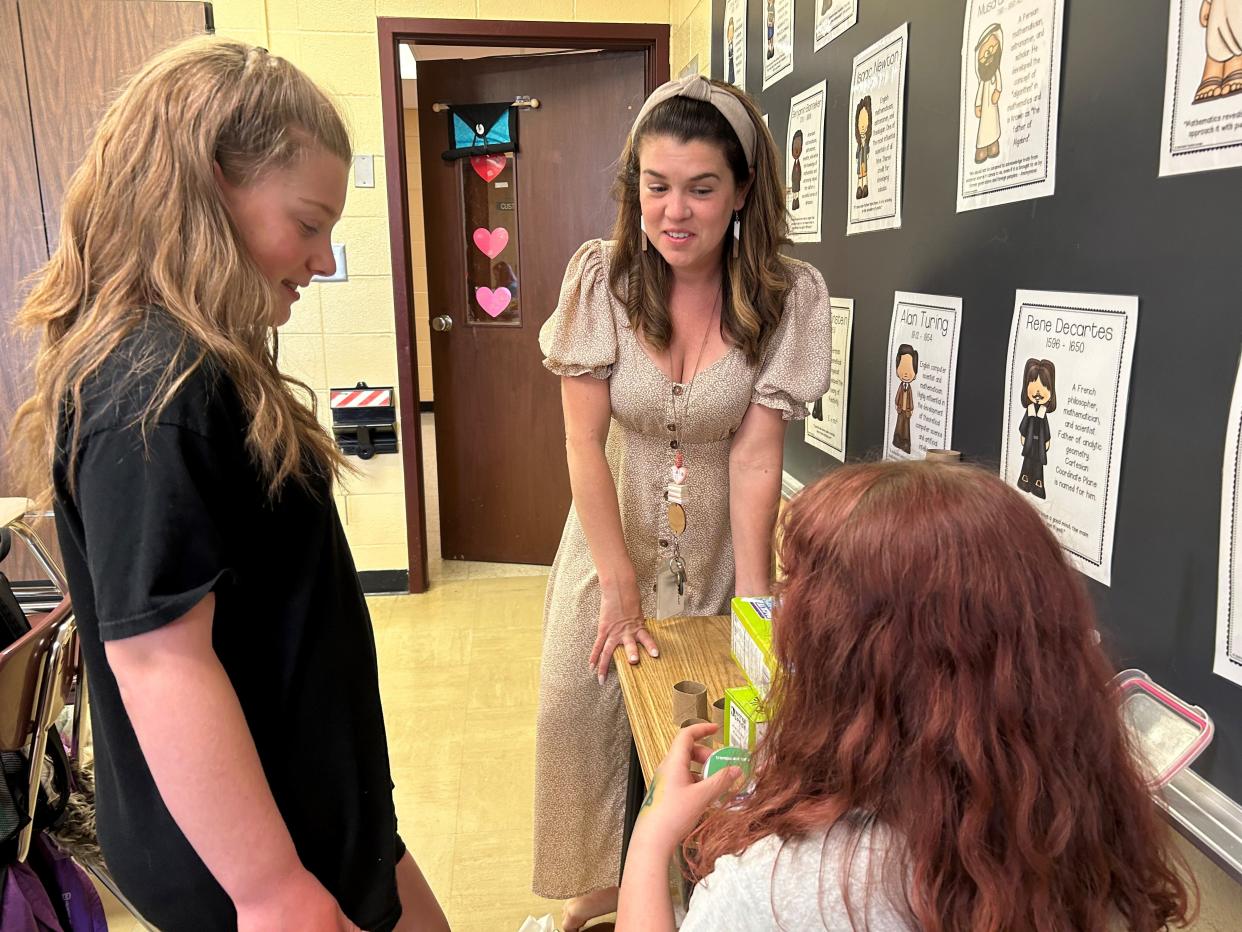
{"x":690,"y":35}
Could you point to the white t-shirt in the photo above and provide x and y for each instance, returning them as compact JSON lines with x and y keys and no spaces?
{"x":744,"y":893}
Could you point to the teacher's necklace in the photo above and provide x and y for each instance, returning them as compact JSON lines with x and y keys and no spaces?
{"x":675,"y":490}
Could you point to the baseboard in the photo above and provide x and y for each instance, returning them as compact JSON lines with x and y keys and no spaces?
{"x":380,"y":582}
{"x":790,"y":486}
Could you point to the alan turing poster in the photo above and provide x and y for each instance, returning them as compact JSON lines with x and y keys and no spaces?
{"x":804,"y":163}
{"x":825,"y":428}
{"x":1202,"y":87}
{"x":921,"y":372}
{"x":777,"y":47}
{"x":1010,"y":93}
{"x":1067,"y":384}
{"x":1228,"y":661}
{"x":877,"y":118}
{"x":833,"y":17}
{"x":734,"y":51}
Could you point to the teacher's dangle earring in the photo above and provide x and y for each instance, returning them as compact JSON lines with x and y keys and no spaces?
{"x":737,"y":234}
{"x":642,"y":232}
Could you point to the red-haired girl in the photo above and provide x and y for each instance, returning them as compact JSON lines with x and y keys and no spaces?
{"x":946,"y":752}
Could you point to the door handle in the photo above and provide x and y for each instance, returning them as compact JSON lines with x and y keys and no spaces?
{"x":442,"y":324}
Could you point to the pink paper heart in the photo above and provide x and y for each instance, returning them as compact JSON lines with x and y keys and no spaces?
{"x":491,"y":244}
{"x":493,"y":302}
{"x":488,"y":167}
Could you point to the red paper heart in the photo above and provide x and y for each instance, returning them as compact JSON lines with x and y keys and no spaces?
{"x":491,"y":244}
{"x":493,"y":302}
{"x":488,"y":166}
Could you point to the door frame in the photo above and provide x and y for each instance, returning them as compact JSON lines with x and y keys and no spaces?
{"x":650,"y":38}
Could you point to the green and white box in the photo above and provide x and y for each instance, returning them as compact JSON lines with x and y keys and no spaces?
{"x":746,"y":719}
{"x":751,"y":641}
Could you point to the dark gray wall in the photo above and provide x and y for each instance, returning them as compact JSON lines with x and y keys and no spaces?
{"x":1113,"y":226}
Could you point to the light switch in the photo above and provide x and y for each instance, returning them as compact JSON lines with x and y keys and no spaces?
{"x":364,"y":171}
{"x":342,"y":274}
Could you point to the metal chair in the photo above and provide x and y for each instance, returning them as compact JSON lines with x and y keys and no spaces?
{"x":32,"y":694}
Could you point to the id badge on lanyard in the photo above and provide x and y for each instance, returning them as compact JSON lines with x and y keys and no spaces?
{"x":671,"y":588}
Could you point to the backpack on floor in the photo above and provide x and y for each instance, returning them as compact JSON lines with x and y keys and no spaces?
{"x":49,"y":893}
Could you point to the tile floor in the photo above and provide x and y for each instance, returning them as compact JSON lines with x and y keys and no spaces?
{"x":459,"y":671}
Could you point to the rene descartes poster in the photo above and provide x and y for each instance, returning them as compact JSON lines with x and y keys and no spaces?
{"x":1065,"y":401}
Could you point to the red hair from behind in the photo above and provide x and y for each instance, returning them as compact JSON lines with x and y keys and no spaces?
{"x":941,"y":680}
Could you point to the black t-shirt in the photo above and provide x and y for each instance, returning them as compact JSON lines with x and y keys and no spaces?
{"x":155,"y":524}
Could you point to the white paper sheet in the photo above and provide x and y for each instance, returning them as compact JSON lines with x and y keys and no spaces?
{"x":733,"y":50}
{"x":777,"y":46}
{"x":1228,"y":662}
{"x":825,"y":428}
{"x":833,"y":17}
{"x":877,"y":121}
{"x":1200,"y":135}
{"x":921,"y":366}
{"x":1081,"y":421}
{"x":804,"y":163}
{"x":1010,"y":101}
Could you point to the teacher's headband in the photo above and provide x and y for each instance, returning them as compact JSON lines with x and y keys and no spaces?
{"x":697,"y":87}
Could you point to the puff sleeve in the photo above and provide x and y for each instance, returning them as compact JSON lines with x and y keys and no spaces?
{"x":797,"y":364}
{"x":581,"y":335}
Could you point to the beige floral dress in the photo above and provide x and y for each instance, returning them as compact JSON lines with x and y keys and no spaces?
{"x":583,"y":736}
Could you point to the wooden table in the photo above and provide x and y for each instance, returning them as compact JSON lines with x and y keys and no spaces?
{"x":690,"y":649}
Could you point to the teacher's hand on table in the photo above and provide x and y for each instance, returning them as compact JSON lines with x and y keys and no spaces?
{"x":619,"y":626}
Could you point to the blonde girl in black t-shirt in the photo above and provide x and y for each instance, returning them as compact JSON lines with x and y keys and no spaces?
{"x":241,"y":765}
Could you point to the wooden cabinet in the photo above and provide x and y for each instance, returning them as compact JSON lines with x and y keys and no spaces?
{"x":63,"y":61}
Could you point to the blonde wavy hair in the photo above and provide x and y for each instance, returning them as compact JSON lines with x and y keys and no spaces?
{"x":756,"y":282}
{"x":144,"y":225}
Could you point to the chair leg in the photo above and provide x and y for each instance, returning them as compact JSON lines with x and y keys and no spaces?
{"x":79,"y":712}
{"x":38,"y":747}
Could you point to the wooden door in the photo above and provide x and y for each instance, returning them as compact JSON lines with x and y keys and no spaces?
{"x":78,"y":53}
{"x":500,"y":447}
{"x":21,"y":219}
{"x":54,"y":84}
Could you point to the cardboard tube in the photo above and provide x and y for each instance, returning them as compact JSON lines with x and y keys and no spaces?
{"x":689,"y":700}
{"x":943,"y":456}
{"x":718,"y":713}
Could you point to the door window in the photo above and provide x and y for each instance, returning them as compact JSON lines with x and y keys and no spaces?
{"x":489,"y":206}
